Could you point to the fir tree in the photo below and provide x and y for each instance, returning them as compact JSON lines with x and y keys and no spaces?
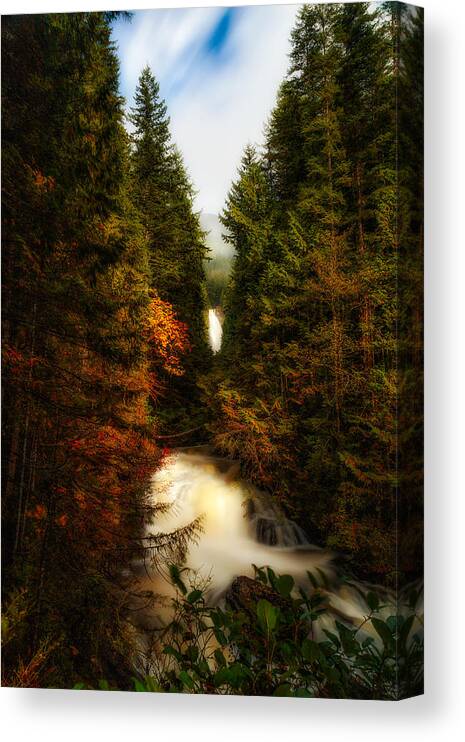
{"x":176,"y":247}
{"x":80,"y":331}
{"x":322,"y":329}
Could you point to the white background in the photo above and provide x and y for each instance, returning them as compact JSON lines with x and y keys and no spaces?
{"x":57,"y":715}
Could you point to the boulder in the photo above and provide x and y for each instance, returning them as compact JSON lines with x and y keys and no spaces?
{"x":245,"y":592}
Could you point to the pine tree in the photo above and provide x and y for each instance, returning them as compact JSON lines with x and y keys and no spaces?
{"x":410,"y":289}
{"x":323,"y":314}
{"x":176,"y":247}
{"x":244,"y":219}
{"x":80,"y":330}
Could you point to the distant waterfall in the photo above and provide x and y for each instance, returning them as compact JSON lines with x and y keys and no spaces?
{"x":215,"y":331}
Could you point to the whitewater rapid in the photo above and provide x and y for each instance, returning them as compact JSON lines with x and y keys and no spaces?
{"x":233,"y":516}
{"x":240,"y":528}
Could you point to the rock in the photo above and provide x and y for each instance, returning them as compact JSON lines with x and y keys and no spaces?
{"x":244,"y":594}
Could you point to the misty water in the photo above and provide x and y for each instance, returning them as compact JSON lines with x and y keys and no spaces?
{"x":240,"y":527}
{"x":215,"y":331}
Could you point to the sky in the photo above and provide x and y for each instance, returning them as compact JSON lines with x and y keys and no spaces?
{"x":219,"y":70}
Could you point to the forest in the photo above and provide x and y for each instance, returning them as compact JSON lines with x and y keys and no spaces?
{"x":315,"y":395}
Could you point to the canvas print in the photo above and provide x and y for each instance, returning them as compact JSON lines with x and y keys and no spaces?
{"x":212,"y":457}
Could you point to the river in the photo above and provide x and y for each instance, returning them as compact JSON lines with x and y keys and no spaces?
{"x":240,"y":527}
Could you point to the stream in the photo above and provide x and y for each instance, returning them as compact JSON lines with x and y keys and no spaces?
{"x":240,"y":527}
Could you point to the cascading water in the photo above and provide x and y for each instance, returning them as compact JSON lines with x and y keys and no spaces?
{"x":215,"y":331}
{"x":240,"y":528}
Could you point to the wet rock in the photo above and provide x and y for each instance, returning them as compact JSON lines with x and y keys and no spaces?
{"x":244,"y":594}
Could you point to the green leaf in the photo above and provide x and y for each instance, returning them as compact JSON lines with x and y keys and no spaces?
{"x":324,"y":577}
{"x":283,"y":690}
{"x":271,"y":577}
{"x":317,"y":599}
{"x":302,"y":693}
{"x":267,"y":615}
{"x":194,"y":596}
{"x":172,"y":651}
{"x":217,"y":619}
{"x":349,"y":643}
{"x":152,"y":685}
{"x":259,"y":573}
{"x":313,"y":579}
{"x":332,"y":674}
{"x":193,"y":653}
{"x":286,"y":649}
{"x":372,"y":601}
{"x":139,"y":687}
{"x":334,"y":639}
{"x":203,"y":668}
{"x":220,"y":637}
{"x":222,"y":677}
{"x":383,"y":631}
{"x":310,"y":650}
{"x":186,"y":679}
{"x":284,"y":584}
{"x":219,"y":657}
{"x":366,"y":642}
{"x":405,"y":631}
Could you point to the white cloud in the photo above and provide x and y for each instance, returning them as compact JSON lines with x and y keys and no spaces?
{"x":165,"y":39}
{"x":215,"y":109}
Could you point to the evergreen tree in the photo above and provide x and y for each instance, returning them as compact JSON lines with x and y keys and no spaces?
{"x":410,"y":287}
{"x":79,"y":329}
{"x":322,"y":329}
{"x":244,"y":220}
{"x":176,"y":246}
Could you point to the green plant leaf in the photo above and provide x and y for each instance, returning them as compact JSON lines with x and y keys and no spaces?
{"x":372,"y":601}
{"x":219,"y":657}
{"x":383,"y":631}
{"x":405,"y":631}
{"x":194,"y":596}
{"x":310,"y":650}
{"x":283,"y":690}
{"x":333,"y":638}
{"x":267,"y":615}
{"x":186,"y":679}
{"x":139,"y":686}
{"x":285,"y":583}
{"x":172,"y":651}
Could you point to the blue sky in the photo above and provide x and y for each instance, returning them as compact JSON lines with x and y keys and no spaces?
{"x":217,"y":40}
{"x":219,"y":70}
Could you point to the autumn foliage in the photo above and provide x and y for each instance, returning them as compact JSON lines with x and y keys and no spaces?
{"x":88,"y":347}
{"x":167,"y":336}
{"x":317,"y":388}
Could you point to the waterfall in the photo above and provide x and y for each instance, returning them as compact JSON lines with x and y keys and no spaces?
{"x":241,"y":527}
{"x":215,"y":330}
